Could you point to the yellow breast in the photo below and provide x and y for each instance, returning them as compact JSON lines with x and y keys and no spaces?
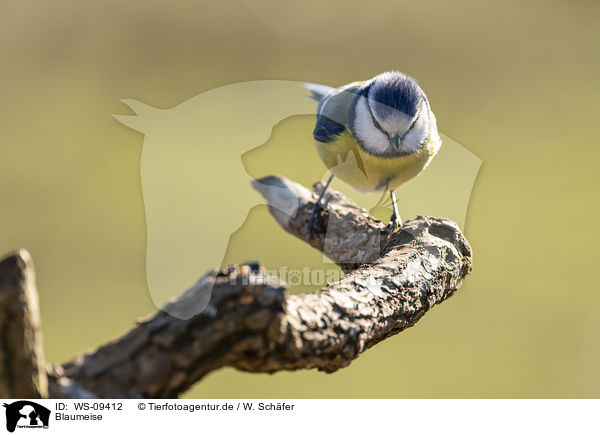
{"x":368,"y":173}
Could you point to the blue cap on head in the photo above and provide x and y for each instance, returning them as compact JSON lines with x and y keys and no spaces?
{"x":395,"y":91}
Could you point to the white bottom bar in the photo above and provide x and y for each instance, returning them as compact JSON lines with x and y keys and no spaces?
{"x":311,"y":417}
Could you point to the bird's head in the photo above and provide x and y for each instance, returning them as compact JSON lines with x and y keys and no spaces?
{"x":393,"y":117}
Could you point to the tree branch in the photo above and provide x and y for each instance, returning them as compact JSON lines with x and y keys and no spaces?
{"x":392,"y":279}
{"x":22,"y":366}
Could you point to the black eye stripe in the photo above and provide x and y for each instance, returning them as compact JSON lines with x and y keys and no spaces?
{"x":375,"y":123}
{"x":412,"y":125}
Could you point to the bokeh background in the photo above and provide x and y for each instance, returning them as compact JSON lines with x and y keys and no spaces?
{"x":514,"y":82}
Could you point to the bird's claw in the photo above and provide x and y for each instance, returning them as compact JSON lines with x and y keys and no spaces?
{"x":316,"y":211}
{"x":314,"y":215}
{"x":395,"y":222}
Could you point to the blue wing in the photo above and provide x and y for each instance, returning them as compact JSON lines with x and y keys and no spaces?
{"x":333,"y":113}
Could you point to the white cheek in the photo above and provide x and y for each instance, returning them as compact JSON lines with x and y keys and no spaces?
{"x":413,"y":139}
{"x":370,"y":137}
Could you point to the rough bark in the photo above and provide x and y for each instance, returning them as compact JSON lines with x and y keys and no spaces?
{"x":22,"y":367}
{"x":393,"y":277}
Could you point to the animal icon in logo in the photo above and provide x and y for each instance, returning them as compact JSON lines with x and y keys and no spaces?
{"x":26,"y":413}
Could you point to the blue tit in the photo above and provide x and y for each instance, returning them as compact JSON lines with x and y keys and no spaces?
{"x":374,"y":135}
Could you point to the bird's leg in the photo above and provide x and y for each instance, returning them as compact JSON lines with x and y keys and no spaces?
{"x":317,"y":207}
{"x":395,"y":220}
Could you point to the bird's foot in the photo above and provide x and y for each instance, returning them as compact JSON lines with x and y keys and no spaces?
{"x":314,"y":215}
{"x":316,"y":211}
{"x":395,"y":222}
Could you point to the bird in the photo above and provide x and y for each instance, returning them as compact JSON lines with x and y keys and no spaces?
{"x":374,"y":135}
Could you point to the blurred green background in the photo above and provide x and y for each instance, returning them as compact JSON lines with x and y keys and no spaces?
{"x":514,"y":82}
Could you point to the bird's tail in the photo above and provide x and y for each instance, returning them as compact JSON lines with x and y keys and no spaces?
{"x":318,"y":92}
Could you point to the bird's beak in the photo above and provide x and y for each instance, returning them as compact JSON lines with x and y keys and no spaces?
{"x":397,"y":142}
